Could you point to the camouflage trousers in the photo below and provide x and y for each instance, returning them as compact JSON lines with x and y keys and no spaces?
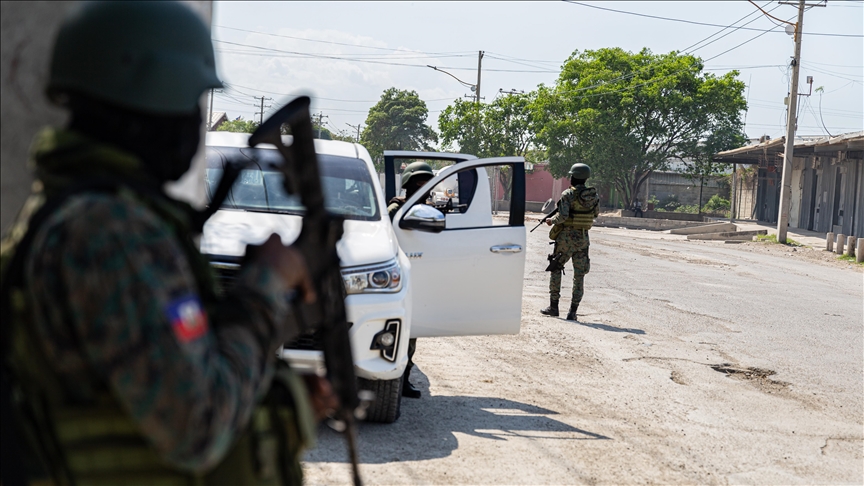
{"x":572,"y":244}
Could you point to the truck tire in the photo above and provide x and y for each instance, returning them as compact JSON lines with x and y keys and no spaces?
{"x":388,"y":399}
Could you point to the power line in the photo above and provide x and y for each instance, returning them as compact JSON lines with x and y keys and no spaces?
{"x":687,"y":50}
{"x":342,"y":43}
{"x":700,"y":23}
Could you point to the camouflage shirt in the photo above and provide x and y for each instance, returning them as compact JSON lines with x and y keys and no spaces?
{"x":111,"y":289}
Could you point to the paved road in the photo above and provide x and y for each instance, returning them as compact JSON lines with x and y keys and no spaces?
{"x":692,"y":363}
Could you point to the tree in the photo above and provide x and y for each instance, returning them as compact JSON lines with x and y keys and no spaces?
{"x":627,"y":115}
{"x":239,"y":125}
{"x":502,"y":128}
{"x":397,"y":122}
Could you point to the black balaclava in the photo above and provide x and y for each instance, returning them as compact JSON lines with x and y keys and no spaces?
{"x":577,"y":182}
{"x":415,"y":183}
{"x":165,"y":144}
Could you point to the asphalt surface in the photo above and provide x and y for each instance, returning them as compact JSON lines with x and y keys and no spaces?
{"x":692,"y":362}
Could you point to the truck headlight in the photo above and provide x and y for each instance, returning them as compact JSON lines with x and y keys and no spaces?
{"x":384,"y":277}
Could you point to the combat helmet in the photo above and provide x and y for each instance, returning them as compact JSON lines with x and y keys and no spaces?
{"x":154,"y":57}
{"x":580,"y":171}
{"x":415,"y":169}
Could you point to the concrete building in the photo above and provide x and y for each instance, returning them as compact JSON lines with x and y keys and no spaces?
{"x":827,"y":181}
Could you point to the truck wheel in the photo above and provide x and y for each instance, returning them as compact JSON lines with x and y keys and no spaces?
{"x":388,"y":399}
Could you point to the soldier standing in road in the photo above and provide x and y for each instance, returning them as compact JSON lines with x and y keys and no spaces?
{"x":576,"y":212}
{"x":123,"y":363}
{"x":414,"y":177}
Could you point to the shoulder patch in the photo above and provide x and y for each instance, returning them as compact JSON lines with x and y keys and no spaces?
{"x":187,"y":318}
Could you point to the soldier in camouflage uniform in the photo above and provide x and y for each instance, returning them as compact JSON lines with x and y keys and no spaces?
{"x":576,"y":212}
{"x":129,"y":367}
{"x":413,"y":178}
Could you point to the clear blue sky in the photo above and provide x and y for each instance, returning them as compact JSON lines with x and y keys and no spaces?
{"x":384,"y":44}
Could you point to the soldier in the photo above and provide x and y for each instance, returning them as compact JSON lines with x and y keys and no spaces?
{"x":414,"y":177}
{"x":125,"y":364}
{"x":576,"y":212}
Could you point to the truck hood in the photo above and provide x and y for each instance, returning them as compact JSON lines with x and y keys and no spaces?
{"x":229,"y":231}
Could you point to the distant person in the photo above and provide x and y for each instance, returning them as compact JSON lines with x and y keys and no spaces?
{"x":637,"y":208}
{"x":414,"y":177}
{"x":578,"y":207}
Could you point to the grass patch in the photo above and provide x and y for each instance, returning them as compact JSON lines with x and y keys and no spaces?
{"x":850,"y":259}
{"x":773,"y":239}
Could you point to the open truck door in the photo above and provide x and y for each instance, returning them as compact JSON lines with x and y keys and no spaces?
{"x":467,"y":261}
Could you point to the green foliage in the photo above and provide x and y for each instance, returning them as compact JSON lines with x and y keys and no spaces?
{"x":498,"y":129}
{"x":238,"y":126}
{"x":687,"y":208}
{"x":652,"y":199}
{"x":850,"y":259}
{"x":773,"y":239}
{"x":717,"y":204}
{"x":669,"y":203}
{"x":397,"y":122}
{"x":627,"y":114}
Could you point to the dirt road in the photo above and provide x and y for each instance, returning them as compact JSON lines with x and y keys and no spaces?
{"x":691,"y":363}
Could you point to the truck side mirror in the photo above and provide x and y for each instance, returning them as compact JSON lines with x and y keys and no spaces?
{"x":423,"y":218}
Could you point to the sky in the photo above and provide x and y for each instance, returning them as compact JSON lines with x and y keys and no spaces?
{"x":345,"y":54}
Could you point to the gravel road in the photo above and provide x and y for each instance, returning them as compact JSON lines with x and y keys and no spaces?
{"x":693,"y":362}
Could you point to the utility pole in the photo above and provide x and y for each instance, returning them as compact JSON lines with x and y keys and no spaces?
{"x":321,"y":116}
{"x":210,"y":113}
{"x":356,"y":127}
{"x":479,"y":70}
{"x":261,"y":113}
{"x":791,"y":125}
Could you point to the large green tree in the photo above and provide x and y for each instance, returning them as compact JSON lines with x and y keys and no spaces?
{"x":628,"y":114}
{"x":502,"y":128}
{"x":397,"y":122}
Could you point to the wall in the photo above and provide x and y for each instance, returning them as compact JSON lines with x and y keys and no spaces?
{"x":540,"y":185}
{"x":27,"y":31}
{"x":663,"y":185}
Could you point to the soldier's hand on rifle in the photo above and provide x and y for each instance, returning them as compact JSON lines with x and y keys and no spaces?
{"x":288,"y":263}
{"x":548,"y":222}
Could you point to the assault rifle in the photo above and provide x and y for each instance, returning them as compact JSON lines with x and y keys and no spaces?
{"x":317,"y":242}
{"x":548,"y":204}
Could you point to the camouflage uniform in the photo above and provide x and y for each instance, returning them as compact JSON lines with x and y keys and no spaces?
{"x":576,"y":212}
{"x":117,"y":302}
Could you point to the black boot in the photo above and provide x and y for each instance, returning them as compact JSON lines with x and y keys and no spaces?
{"x":571,"y":315}
{"x":408,"y":389}
{"x":552,"y":310}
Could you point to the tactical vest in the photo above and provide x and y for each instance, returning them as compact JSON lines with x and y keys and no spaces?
{"x":96,"y":442}
{"x":580,"y":217}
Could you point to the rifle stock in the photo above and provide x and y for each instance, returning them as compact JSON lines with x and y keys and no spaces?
{"x":317,"y":242}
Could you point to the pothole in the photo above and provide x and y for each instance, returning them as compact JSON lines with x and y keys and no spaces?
{"x":759,"y":376}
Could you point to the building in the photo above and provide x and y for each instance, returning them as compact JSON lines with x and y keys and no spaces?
{"x":827,"y":181}
{"x":217,"y":118}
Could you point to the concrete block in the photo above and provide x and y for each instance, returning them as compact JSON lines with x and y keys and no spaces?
{"x":859,"y":251}
{"x":705,"y":228}
{"x":829,"y":241}
{"x":850,"y":246}
{"x":733,"y":235}
{"x":841,"y":240}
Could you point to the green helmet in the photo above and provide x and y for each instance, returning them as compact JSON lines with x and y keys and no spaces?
{"x":414,"y":169}
{"x":580,"y":171}
{"x":154,"y":57}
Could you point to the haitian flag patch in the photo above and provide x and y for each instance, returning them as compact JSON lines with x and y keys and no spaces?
{"x":187,"y":318}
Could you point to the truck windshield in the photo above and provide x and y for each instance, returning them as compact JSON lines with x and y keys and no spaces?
{"x":348,"y":188}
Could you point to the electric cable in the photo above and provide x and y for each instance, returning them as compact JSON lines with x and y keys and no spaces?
{"x":701,"y":23}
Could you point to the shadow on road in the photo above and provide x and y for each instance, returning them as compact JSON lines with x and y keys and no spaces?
{"x":427,"y":427}
{"x":606,"y":327}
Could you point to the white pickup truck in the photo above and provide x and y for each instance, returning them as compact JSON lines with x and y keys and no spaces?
{"x":429,"y":273}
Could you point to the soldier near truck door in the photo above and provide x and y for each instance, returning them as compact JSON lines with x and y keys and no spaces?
{"x":578,"y":207}
{"x":120,"y":362}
